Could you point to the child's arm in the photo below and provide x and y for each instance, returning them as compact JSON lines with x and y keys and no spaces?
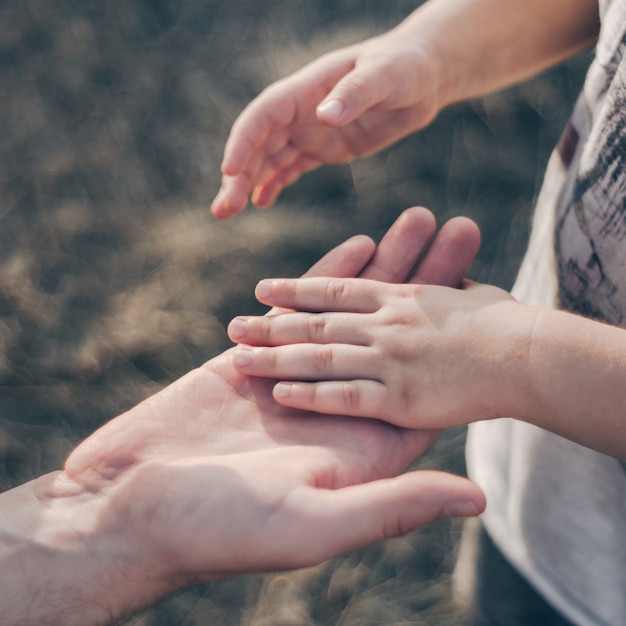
{"x":431,"y":357}
{"x":360,"y":99}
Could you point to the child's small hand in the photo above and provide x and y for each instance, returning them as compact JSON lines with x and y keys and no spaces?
{"x":346,"y":104}
{"x":416,"y":356}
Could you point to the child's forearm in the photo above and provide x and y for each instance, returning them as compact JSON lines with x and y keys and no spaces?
{"x":481,"y":46}
{"x":433,"y":357}
{"x":576,"y":373}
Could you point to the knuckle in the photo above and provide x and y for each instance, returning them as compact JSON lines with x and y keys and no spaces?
{"x":335,"y":289}
{"x":398,"y":526}
{"x":407,"y":401}
{"x":289,"y":288}
{"x":316,"y":328}
{"x":405,"y":397}
{"x":266,"y":358}
{"x":271,"y":357}
{"x":351,"y":398}
{"x":395,"y":525}
{"x":311,"y":392}
{"x":401,"y":353}
{"x":323,"y":358}
{"x":264,"y":328}
{"x":355,"y":82}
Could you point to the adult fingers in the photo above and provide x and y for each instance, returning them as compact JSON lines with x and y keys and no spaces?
{"x":401,"y":246}
{"x":345,"y":260}
{"x":450,"y":254}
{"x":345,"y":519}
{"x":410,"y":251}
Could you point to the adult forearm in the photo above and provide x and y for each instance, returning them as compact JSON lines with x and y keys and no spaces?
{"x":61,"y":562}
{"x":480,"y":46}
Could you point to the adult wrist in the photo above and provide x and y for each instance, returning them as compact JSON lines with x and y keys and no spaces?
{"x":64,"y":558}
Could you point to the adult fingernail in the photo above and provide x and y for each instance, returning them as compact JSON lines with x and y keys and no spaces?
{"x":331,"y":109}
{"x":243,"y":358}
{"x":463,"y":508}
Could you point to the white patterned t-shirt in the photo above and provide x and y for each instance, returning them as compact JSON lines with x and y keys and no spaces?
{"x":557,"y":510}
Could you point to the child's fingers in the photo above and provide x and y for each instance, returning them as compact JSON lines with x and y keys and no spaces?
{"x":274,"y":109}
{"x":231,"y":199}
{"x":294,"y":328}
{"x":248,"y":133}
{"x":262,"y":161}
{"x":279,"y":106}
{"x":269,"y":165}
{"x":321,"y":294}
{"x":307,"y":362}
{"x":265,"y":194}
{"x":235,"y":190}
{"x":240,"y":145}
{"x":355,"y":93}
{"x":357,"y":398}
{"x":277,"y":162}
{"x":345,"y":260}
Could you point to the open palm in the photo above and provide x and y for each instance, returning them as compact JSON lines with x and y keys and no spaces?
{"x":224,"y":480}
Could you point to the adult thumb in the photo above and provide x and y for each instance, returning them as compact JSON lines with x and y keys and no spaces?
{"x":360,"y":515}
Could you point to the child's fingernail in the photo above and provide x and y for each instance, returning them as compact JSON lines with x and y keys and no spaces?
{"x":330,"y":109}
{"x":463,"y":508}
{"x":282,"y":390}
{"x":243,"y":358}
{"x":237,"y":328}
{"x":264,"y":289}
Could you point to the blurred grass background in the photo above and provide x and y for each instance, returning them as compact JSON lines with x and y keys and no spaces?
{"x":115,"y":280}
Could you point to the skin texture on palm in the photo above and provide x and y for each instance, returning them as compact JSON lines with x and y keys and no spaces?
{"x":211,"y":477}
{"x":231,"y":481}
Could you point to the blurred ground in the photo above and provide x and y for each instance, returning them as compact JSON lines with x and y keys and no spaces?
{"x":114,"y":279}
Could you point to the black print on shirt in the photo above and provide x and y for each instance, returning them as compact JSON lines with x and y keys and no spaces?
{"x":590,"y":237}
